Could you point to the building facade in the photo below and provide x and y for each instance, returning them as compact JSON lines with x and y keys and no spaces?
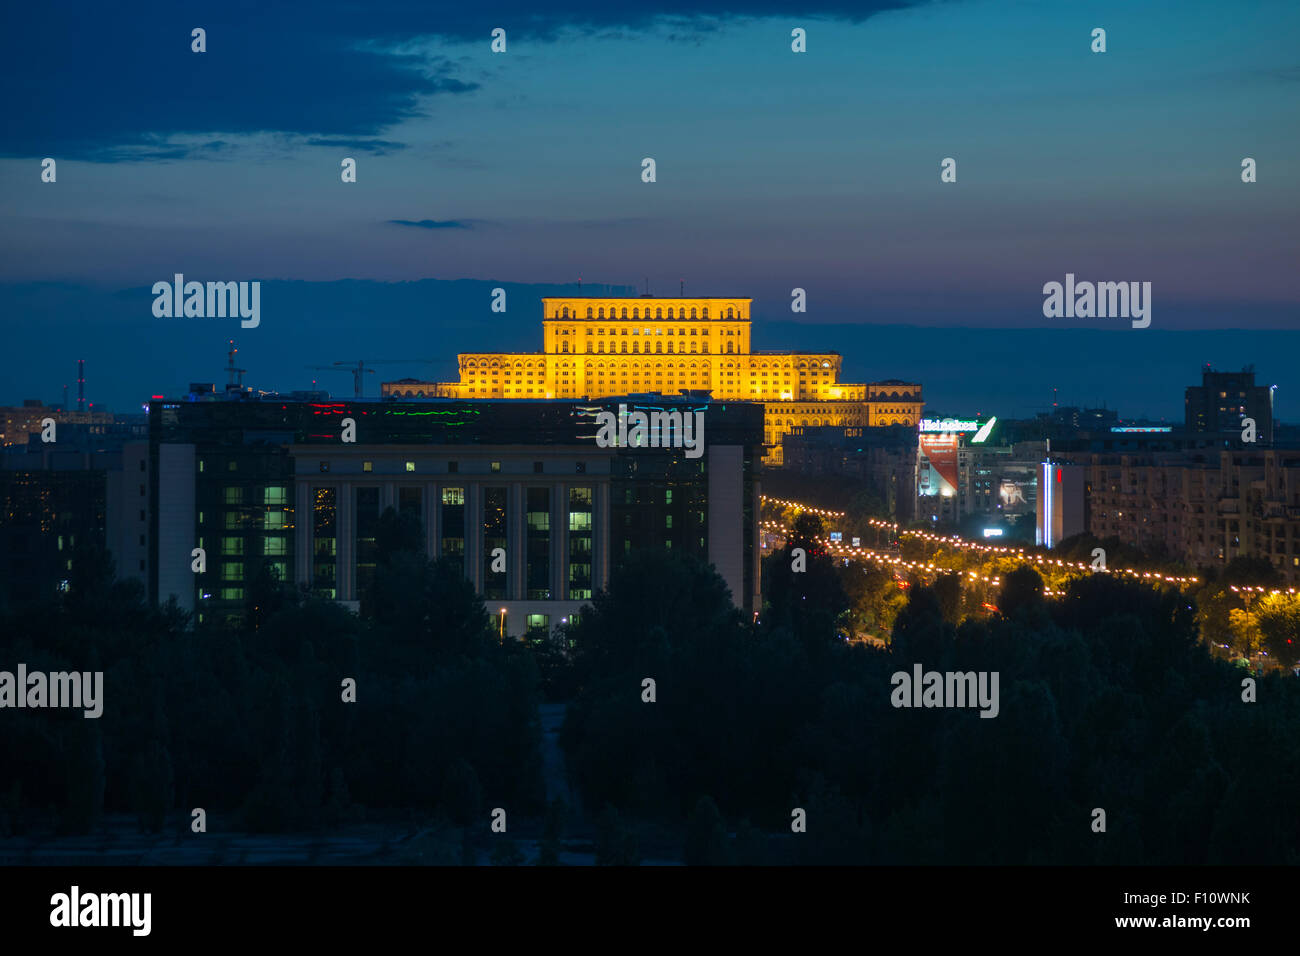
{"x":19,"y":423}
{"x":1204,"y":508}
{"x":1224,"y":400}
{"x":598,"y":347}
{"x":519,"y":495}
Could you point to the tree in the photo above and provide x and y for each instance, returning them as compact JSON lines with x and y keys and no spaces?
{"x":1247,"y":638}
{"x":552,"y":833}
{"x":706,"y":838}
{"x":1021,"y":589}
{"x":1279,"y":626}
{"x":615,"y":844}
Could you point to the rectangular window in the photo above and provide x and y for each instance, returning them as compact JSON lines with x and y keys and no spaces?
{"x":367,"y":527}
{"x":275,"y":495}
{"x":538,"y":544}
{"x":453,"y":525}
{"x":324,"y":574}
{"x":234,"y":496}
{"x":410,"y":501}
{"x":232,"y":546}
{"x":580,"y":540}
{"x":277,"y":544}
{"x":495,"y":583}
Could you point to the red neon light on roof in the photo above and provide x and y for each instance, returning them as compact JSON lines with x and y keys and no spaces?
{"x":155,"y":396}
{"x":1058,"y":476}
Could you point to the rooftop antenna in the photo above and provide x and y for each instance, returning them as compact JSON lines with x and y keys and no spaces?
{"x":81,"y":385}
{"x":682,"y":290}
{"x":579,"y":285}
{"x":65,"y":398}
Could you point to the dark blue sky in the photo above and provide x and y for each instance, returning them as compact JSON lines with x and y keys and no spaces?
{"x":775,"y":170}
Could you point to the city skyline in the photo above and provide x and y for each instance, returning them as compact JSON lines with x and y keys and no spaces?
{"x":776,"y":171}
{"x":1141,"y":377}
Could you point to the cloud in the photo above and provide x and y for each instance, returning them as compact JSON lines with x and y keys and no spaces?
{"x":380,"y":147}
{"x":434,"y":223}
{"x":105,"y":83}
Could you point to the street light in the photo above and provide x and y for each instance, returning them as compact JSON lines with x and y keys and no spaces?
{"x":503,"y":624}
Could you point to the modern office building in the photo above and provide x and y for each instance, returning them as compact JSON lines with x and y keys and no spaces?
{"x":520,"y":494}
{"x":1059,"y":512}
{"x":600,"y":347}
{"x":1224,"y":400}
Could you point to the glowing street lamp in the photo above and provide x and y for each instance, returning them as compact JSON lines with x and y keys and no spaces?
{"x":503,"y":624}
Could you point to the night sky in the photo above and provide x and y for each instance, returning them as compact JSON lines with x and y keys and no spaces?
{"x":775,"y":170}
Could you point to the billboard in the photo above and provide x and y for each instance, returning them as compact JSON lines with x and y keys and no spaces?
{"x":938,"y":471}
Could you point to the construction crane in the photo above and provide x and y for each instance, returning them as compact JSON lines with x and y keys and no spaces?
{"x":359,"y":370}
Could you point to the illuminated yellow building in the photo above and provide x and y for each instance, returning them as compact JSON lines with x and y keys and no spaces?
{"x":604,"y":347}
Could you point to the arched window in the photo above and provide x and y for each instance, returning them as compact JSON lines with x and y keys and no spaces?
{"x":625,"y":312}
{"x":670,"y":348}
{"x":565,"y":312}
{"x":705,"y":348}
{"x":419,"y":394}
{"x":600,"y":313}
{"x":636,"y":347}
{"x":670,"y":312}
{"x":564,"y":346}
{"x":692,"y":313}
{"x":624,"y":348}
{"x":659,"y":313}
{"x":693,"y":347}
{"x":589,"y":312}
{"x":659,"y":347}
{"x":731,"y":347}
{"x":636,"y":313}
{"x":705,"y":312}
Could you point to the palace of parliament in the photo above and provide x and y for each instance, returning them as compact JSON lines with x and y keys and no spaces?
{"x":600,"y":347}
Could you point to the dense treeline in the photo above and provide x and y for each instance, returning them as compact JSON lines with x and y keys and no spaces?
{"x":1107,"y":700}
{"x":253,"y":719}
